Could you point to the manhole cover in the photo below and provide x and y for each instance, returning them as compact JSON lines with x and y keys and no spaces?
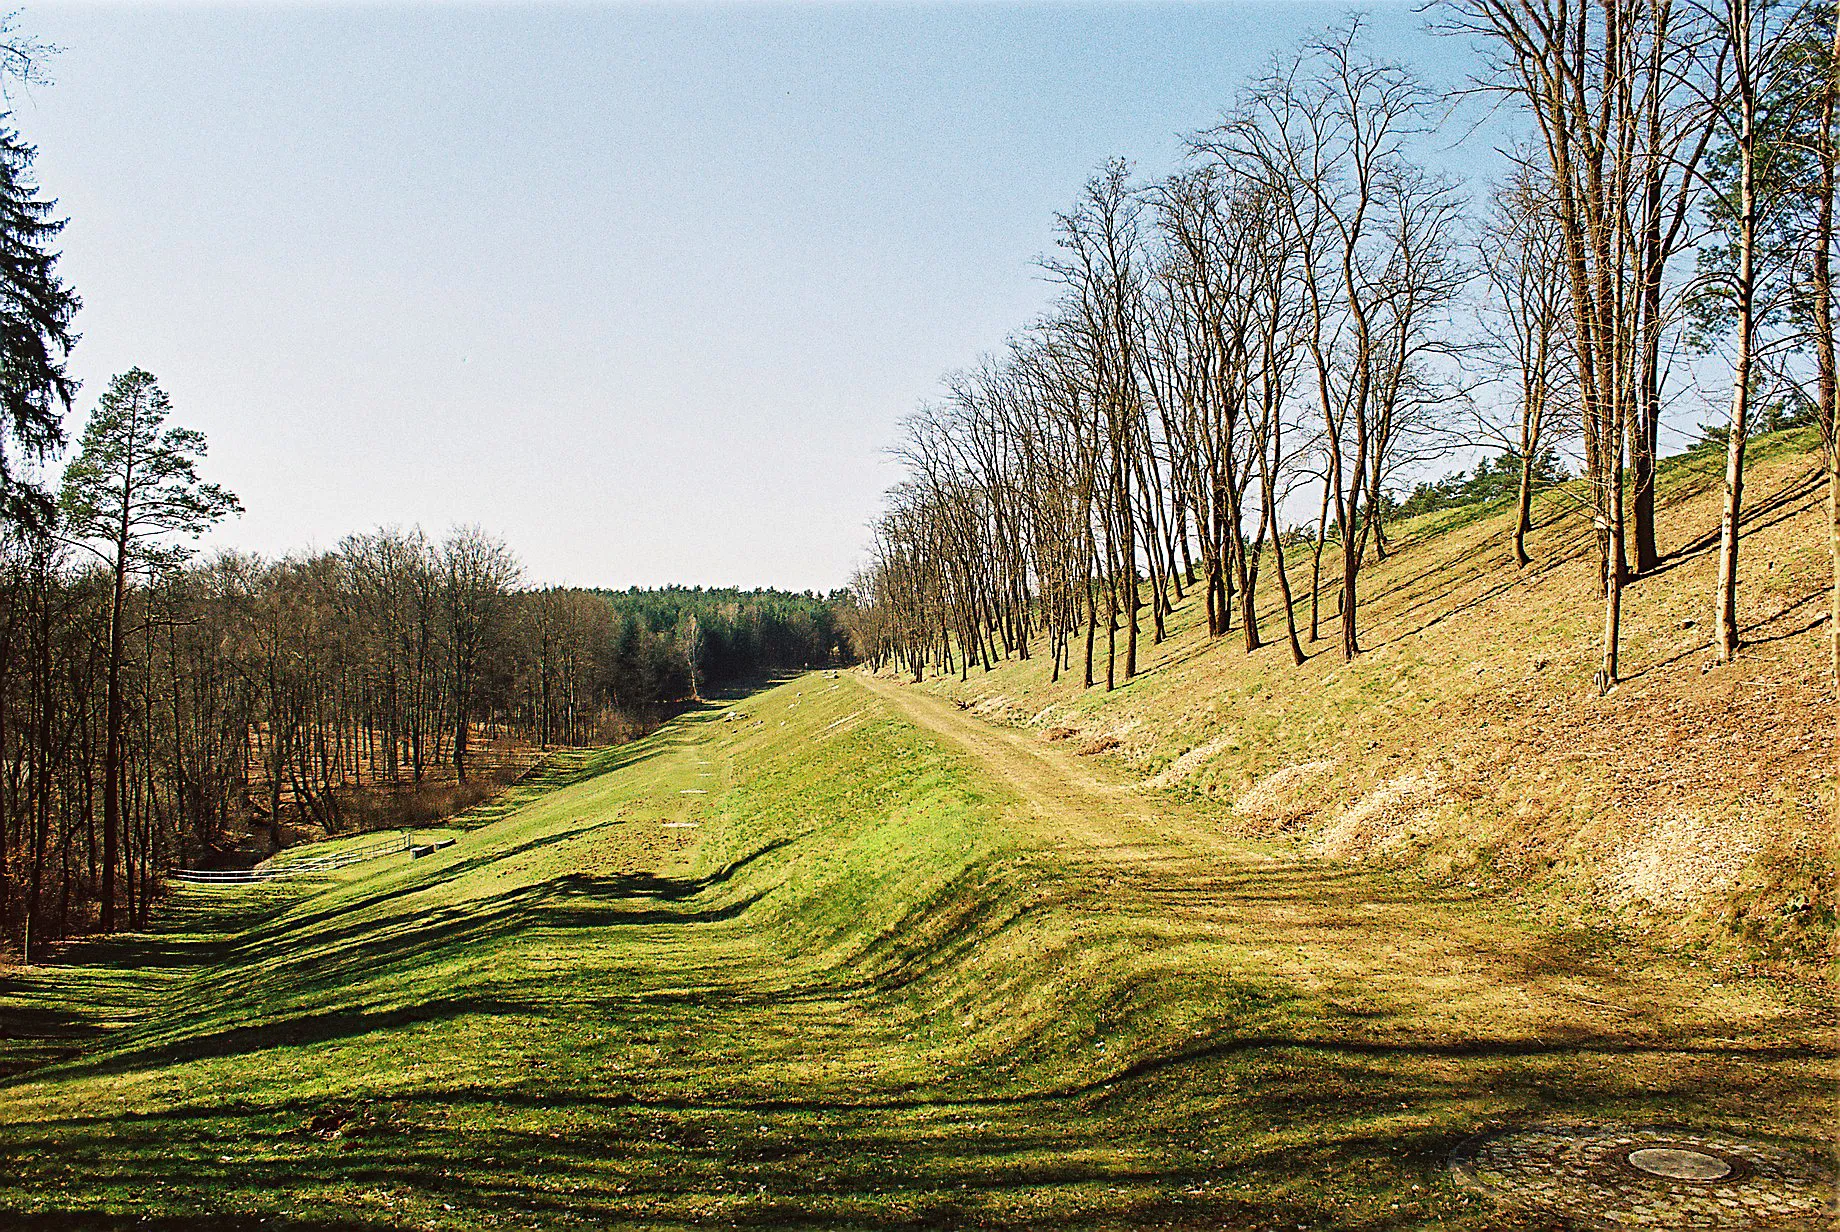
{"x":1650,"y":1176}
{"x":1676,"y":1163}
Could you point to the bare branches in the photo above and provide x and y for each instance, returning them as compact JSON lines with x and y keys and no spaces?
{"x":1281,"y":315}
{"x":1622,"y":96}
{"x":1276,"y":300}
{"x":25,"y":59}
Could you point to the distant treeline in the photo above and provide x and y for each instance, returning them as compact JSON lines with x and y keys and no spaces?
{"x":736,"y":634}
{"x":370,"y":684}
{"x":1497,"y":478}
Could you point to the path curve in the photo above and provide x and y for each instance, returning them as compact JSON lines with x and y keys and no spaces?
{"x":1411,"y":961}
{"x":1075,"y":806}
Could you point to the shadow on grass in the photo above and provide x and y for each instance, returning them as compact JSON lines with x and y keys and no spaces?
{"x":85,"y":990}
{"x":1260,"y":1131}
{"x":344,"y":957}
{"x":685,"y":1085}
{"x":1799,"y":495}
{"x":78,"y":1220}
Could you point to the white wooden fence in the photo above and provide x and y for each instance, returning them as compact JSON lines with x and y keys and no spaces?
{"x":314,"y":867}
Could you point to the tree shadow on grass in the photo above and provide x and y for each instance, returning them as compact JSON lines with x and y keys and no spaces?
{"x":78,"y":1220}
{"x":1746,"y":638}
{"x":52,"y":1010}
{"x":1233,"y":1132}
{"x":1237,"y":1130}
{"x":351,"y":957}
{"x":1798,"y":495}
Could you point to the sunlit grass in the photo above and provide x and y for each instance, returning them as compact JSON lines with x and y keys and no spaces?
{"x":794,"y":961}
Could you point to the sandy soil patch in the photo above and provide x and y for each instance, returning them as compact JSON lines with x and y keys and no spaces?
{"x":1286,"y":796}
{"x":1681,"y":860}
{"x":1383,"y":819}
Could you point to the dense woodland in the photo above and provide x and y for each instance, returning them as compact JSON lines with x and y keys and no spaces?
{"x":1250,"y":360}
{"x":390,"y":679}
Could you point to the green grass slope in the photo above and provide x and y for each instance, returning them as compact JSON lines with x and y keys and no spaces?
{"x":1694,"y":803}
{"x":819,"y":961}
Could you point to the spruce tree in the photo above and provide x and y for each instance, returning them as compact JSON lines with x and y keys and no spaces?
{"x":36,"y":314}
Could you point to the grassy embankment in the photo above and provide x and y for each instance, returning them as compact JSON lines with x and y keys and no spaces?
{"x":855,"y":961}
{"x":1693,"y":805}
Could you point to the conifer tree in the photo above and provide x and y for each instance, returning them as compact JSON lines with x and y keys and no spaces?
{"x":131,"y":490}
{"x":36,"y":314}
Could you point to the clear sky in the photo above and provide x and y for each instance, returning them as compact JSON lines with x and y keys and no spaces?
{"x":645,"y":290}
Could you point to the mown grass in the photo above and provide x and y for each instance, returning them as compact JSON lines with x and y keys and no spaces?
{"x":89,"y":988}
{"x":796,"y":962}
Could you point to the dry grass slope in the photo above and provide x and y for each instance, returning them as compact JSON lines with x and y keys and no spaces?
{"x":1467,"y":741}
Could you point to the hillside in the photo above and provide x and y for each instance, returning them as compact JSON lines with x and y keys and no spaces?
{"x":1467,"y":742}
{"x":839,"y":955}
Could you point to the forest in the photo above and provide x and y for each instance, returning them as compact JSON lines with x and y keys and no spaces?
{"x":1251,"y":362}
{"x":155,"y":707}
{"x":391,"y":680}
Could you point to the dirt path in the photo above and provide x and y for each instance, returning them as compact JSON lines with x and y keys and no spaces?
{"x":1076,"y":807}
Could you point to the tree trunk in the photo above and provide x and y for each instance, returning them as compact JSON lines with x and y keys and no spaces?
{"x":1248,"y":615}
{"x":460,"y":733}
{"x":1727,"y":606}
{"x":1351,"y":561}
{"x":1322,"y":531}
{"x":1642,"y":456}
{"x":1824,"y":354}
{"x":1092,"y":626}
{"x":112,"y":741}
{"x":1132,"y":602}
{"x":1284,"y":582}
{"x":1613,"y":572}
{"x":1833,"y":546}
{"x":1523,"y":519}
{"x":42,"y":772}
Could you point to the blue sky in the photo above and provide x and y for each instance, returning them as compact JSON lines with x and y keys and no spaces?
{"x":646,"y":290}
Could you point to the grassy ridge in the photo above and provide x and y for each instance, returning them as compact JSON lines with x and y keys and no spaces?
{"x":803,"y":963}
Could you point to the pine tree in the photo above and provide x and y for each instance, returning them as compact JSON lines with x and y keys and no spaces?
{"x":131,"y":489}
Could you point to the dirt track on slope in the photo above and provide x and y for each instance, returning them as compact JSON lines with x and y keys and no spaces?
{"x":1076,"y":808}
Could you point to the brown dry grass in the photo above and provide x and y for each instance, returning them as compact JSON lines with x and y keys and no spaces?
{"x":1478,"y":674}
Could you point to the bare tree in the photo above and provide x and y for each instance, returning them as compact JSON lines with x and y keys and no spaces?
{"x":1750,"y":186}
{"x":1525,"y":319}
{"x":1325,"y":132}
{"x":1102,"y":271}
{"x":1622,"y":97}
{"x":478,"y":572}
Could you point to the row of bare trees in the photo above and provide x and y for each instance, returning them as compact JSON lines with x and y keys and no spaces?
{"x":1245,"y":357}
